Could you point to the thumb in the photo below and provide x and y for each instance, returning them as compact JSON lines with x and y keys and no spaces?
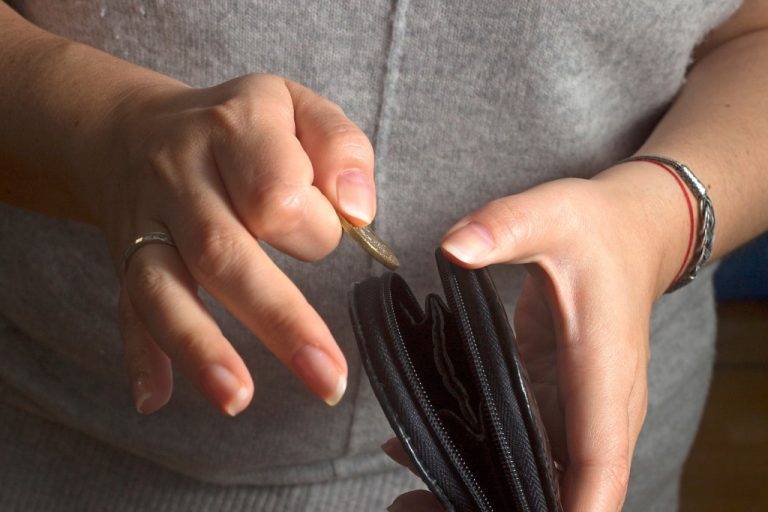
{"x":515,"y":228}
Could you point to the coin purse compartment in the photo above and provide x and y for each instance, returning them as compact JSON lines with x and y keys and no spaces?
{"x":451,"y":384}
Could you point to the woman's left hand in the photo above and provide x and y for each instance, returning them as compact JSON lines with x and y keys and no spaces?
{"x":599,"y":253}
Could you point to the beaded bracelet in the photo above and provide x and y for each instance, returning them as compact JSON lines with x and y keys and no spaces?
{"x":706,"y":233}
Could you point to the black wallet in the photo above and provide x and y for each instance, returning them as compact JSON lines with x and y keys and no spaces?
{"x":452,"y":385}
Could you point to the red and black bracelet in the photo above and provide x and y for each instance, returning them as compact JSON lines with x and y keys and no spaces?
{"x":706,"y":233}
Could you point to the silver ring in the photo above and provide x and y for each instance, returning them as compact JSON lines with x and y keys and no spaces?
{"x":154,"y":237}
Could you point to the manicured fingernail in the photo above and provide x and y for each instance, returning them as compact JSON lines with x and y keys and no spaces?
{"x":469,"y":243}
{"x":225,"y":389}
{"x":141,"y":392}
{"x":320,"y":374}
{"x":356,"y":195}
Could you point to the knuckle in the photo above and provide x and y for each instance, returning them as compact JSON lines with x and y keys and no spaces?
{"x":149,"y":282}
{"x":617,"y":475}
{"x":165,"y":166}
{"x":508,"y":223}
{"x":279,"y":210}
{"x":185,"y":344}
{"x":265,"y":80}
{"x":344,"y":135}
{"x":282,"y":318}
{"x":320,"y":249}
{"x":159,"y":161}
{"x":229,"y":117}
{"x":613,"y":475}
{"x":158,"y":155}
{"x":217,"y":255}
{"x":255,"y":101}
{"x":334,"y":107}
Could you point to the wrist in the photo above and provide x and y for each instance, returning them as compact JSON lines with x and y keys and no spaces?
{"x":121,"y":144}
{"x":56,"y":149}
{"x":655,"y":209}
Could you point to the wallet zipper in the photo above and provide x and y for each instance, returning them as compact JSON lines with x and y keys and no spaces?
{"x":497,"y":432}
{"x":434,"y":420}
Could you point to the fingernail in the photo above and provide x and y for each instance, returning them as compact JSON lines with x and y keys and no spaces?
{"x":395,"y":507}
{"x":320,"y":374}
{"x":469,"y":243}
{"x":225,"y":389}
{"x":356,"y":196}
{"x":141,"y":392}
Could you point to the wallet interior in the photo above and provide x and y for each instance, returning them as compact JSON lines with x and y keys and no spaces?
{"x":437,"y":350}
{"x":453,"y":393}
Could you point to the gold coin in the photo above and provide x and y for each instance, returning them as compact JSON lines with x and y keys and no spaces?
{"x":367,"y":239}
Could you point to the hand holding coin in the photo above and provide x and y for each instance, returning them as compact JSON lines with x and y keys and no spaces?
{"x":372,"y":244}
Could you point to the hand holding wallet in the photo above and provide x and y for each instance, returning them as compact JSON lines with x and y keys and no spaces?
{"x":452,"y":385}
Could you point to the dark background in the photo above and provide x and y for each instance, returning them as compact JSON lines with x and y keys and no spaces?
{"x":728,"y":465}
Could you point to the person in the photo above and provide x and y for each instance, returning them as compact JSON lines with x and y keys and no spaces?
{"x":498,"y":129}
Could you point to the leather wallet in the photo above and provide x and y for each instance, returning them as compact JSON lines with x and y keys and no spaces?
{"x":450,"y":381}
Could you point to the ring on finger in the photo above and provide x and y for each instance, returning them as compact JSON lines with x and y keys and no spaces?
{"x":153,"y":237}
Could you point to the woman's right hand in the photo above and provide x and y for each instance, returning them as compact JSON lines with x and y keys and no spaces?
{"x":258,"y":158}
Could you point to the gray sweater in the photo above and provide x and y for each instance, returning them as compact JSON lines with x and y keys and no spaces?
{"x":464,"y":103}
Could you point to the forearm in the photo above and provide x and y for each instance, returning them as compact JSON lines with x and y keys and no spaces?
{"x":718,"y":126}
{"x":55,"y":96}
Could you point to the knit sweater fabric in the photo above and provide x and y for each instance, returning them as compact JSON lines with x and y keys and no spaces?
{"x":464,"y":102}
